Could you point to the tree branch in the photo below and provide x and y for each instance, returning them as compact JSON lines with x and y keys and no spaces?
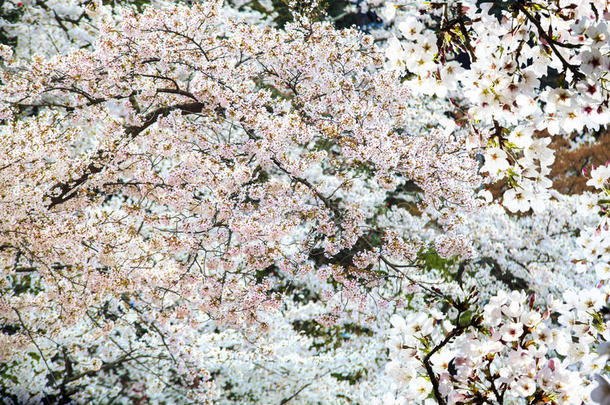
{"x":578,"y":75}
{"x":64,"y":191}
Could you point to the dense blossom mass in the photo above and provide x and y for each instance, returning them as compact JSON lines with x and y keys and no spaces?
{"x":257,"y":202}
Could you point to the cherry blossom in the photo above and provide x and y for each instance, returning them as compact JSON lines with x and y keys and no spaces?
{"x":248,"y":202}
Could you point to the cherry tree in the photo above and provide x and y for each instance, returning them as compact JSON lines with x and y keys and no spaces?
{"x":507,"y":52}
{"x":200,"y":206}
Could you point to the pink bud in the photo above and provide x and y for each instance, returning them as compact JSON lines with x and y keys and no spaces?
{"x":532,"y":300}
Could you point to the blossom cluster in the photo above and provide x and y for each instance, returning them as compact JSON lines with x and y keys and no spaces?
{"x":513,"y":350}
{"x":510,"y":52}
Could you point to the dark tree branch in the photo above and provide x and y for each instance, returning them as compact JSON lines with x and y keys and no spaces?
{"x":290,"y":398}
{"x":578,"y":75}
{"x":64,"y":191}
